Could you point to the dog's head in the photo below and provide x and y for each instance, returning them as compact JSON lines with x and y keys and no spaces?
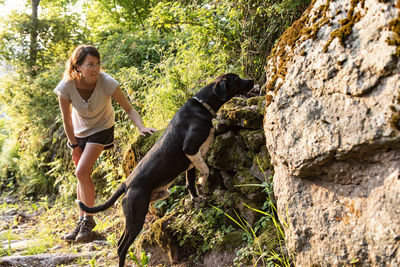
{"x":228,"y":85}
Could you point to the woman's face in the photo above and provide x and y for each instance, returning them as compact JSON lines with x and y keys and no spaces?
{"x":90,"y":68}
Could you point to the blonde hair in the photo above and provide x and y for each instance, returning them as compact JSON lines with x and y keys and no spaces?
{"x":76,"y":59}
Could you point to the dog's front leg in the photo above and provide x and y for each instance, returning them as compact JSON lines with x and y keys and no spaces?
{"x":191,"y":183}
{"x":200,"y":164}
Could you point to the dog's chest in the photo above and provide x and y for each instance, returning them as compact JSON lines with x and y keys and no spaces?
{"x":206,"y":145}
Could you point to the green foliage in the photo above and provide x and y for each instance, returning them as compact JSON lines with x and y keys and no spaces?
{"x":33,"y":131}
{"x":201,"y":229}
{"x":177,"y":192}
{"x":8,"y":166}
{"x":263,"y":239}
{"x":129,"y":13}
{"x":58,"y":30}
{"x":142,"y":261}
{"x":262,"y":23}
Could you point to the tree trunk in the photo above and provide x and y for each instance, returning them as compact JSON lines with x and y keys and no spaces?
{"x":34,"y":36}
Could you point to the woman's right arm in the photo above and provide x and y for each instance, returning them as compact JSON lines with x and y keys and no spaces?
{"x":65,"y":106}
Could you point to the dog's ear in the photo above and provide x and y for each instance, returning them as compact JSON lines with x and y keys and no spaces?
{"x":221,"y":90}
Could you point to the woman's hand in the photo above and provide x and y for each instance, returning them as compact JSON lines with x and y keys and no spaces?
{"x":76,"y":155}
{"x":144,"y":130}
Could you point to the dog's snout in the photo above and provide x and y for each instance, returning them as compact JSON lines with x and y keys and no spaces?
{"x":249,"y":84}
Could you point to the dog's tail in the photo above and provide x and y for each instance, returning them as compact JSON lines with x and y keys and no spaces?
{"x":109,"y":202}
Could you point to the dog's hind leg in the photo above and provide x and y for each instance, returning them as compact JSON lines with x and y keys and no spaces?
{"x":135,"y":205}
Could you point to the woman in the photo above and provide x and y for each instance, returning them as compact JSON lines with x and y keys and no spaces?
{"x":84,"y":96}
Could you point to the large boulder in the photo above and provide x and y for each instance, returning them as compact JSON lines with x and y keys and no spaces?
{"x":332,"y":131}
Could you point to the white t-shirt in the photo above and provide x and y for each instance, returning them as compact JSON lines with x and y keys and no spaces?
{"x":95,"y":114}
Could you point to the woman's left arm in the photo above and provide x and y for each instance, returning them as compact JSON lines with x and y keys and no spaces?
{"x":120,"y":97}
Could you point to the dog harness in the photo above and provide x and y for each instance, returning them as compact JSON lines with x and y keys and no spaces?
{"x":207,"y":106}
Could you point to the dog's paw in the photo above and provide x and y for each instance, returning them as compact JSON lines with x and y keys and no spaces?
{"x":200,"y":190}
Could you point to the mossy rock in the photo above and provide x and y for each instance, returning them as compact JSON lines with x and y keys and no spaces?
{"x":248,"y":185}
{"x":269,"y":239}
{"x":226,"y":153}
{"x":156,"y":234}
{"x":231,"y":241}
{"x":242,"y":112}
{"x":138,"y":149}
{"x":160,"y":236}
{"x":222,"y":197}
{"x":144,"y":143}
{"x":253,"y":140}
{"x":262,"y":168}
{"x":242,"y":205}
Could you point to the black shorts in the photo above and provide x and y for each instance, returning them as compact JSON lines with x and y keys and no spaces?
{"x":104,"y":138}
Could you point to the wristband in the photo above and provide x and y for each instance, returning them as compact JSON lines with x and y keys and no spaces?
{"x":71,"y":145}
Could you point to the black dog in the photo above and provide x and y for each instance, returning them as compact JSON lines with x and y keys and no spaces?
{"x":184,"y":142}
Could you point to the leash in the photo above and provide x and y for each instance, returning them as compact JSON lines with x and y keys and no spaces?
{"x":207,"y":106}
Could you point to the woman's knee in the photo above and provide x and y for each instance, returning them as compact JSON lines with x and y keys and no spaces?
{"x":83,"y":174}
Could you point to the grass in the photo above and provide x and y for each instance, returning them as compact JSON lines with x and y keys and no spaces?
{"x":268,"y":256}
{"x":142,"y":261}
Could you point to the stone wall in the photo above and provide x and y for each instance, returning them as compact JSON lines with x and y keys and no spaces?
{"x":331,"y":126}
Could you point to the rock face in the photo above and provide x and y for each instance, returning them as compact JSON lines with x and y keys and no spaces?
{"x":332,"y":131}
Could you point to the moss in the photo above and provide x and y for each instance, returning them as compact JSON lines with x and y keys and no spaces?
{"x":231,"y":241}
{"x":226,"y":154}
{"x":138,"y":150}
{"x":241,"y":112}
{"x":144,"y":143}
{"x":289,"y":38}
{"x":254,"y":140}
{"x":245,"y":183}
{"x":269,"y":238}
{"x":158,"y":234}
{"x":394,"y":26}
{"x":346,"y":24}
{"x":258,"y":101}
{"x":155,"y":235}
{"x":263,"y":160}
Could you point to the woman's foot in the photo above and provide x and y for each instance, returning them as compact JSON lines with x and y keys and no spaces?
{"x":70,"y":237}
{"x":85,"y":232}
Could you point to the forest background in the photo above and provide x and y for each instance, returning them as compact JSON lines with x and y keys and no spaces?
{"x":161,"y":52}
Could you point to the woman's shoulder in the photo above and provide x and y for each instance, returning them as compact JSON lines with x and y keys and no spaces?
{"x":65,"y":88}
{"x":66,"y":84}
{"x":108,"y":82}
{"x":105,"y":76}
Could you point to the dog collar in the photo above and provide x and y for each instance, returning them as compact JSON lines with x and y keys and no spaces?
{"x":207,"y":106}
